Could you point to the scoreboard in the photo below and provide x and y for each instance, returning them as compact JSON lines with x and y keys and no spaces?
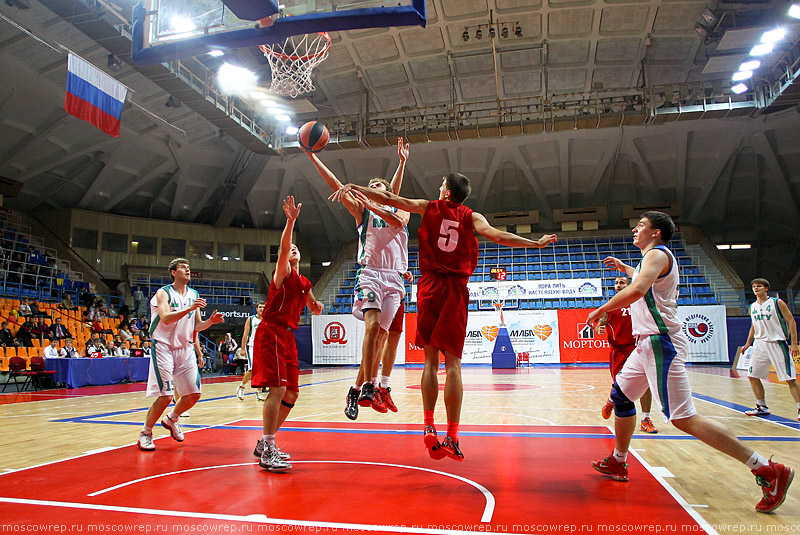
{"x":497,"y":274}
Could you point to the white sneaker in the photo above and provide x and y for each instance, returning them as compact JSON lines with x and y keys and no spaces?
{"x":760,"y":410}
{"x":260,"y":395}
{"x":185,"y":414}
{"x":173,"y":428}
{"x":271,"y":460}
{"x":260,"y":450}
{"x":145,"y":442}
{"x":240,"y":392}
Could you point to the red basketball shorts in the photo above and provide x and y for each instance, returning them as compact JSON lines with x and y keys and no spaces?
{"x":442,"y":303}
{"x":618,"y":357}
{"x":274,"y":357}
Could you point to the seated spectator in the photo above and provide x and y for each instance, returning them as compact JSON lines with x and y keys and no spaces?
{"x":42,"y":330}
{"x":58,"y":331}
{"x":25,"y":333}
{"x":67,"y":303}
{"x":71,"y":352}
{"x":227,"y":348}
{"x":97,"y":327}
{"x":36,"y":312}
{"x":141,"y":326}
{"x":146,"y":349}
{"x":115,"y":350}
{"x":96,"y":349}
{"x":53,"y":351}
{"x":6,"y":336}
{"x":124,"y":331}
{"x":25,"y":309}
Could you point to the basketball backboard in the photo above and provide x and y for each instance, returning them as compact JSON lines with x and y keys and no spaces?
{"x":165,"y":30}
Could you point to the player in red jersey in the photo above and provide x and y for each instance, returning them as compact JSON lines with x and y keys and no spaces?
{"x":617,"y":324}
{"x":448,"y":254}
{"x":275,"y":351}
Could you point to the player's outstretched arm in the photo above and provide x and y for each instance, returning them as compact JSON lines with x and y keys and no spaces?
{"x":282,"y":267}
{"x":352,"y":204}
{"x":654,"y":264}
{"x":397,"y":179}
{"x":416,"y":206}
{"x":615,"y":263}
{"x":397,"y":220}
{"x":483,"y":228}
{"x":316,"y":307}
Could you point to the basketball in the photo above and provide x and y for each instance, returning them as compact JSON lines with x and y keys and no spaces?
{"x":313,"y":136}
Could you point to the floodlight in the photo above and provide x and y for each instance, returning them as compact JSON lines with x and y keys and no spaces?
{"x":504,"y":32}
{"x":739,"y":89}
{"x":760,"y":50}
{"x":773,"y":36}
{"x":465,"y":35}
{"x":741,"y":75}
{"x":794,"y":10}
{"x":750,"y":65}
{"x":478,"y":34}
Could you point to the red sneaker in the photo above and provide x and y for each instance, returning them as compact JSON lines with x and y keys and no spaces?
{"x":377,"y":402}
{"x":432,"y":443}
{"x":774,"y":481}
{"x":608,"y":408}
{"x":386,"y":394}
{"x":612,"y":467}
{"x":451,"y":449}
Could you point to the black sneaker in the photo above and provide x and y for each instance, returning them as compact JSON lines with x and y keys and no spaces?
{"x":351,"y":410}
{"x":367,"y":396}
{"x":260,"y":449}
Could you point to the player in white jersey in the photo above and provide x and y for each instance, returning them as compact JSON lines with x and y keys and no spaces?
{"x":248,"y":340}
{"x":773,"y":325}
{"x":658,"y":363}
{"x":379,"y":288}
{"x":174,"y":320}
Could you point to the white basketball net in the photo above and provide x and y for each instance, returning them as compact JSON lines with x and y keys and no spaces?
{"x":293,"y":60}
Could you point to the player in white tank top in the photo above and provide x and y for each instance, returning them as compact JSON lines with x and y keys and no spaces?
{"x":379,"y":289}
{"x":773,"y":335}
{"x":248,"y":341}
{"x":658,"y":363}
{"x":175,"y":318}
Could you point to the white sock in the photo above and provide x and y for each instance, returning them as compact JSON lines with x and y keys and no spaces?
{"x":147,"y":430}
{"x":798,"y":406}
{"x":385,"y":383}
{"x":268,"y":439}
{"x":645,"y":415}
{"x":763,"y":402}
{"x":620,"y":456}
{"x":172,"y":416}
{"x":756,"y":461}
{"x":357,"y":387}
{"x":375,"y":381}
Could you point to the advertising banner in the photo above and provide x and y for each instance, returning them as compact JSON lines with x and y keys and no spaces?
{"x":531,"y":331}
{"x":235,"y":315}
{"x":578,"y":341}
{"x":707,"y":331}
{"x":549,"y":289}
{"x":337,"y":339}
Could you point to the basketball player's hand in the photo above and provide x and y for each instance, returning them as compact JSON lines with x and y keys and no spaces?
{"x":794,"y":350}
{"x":401,"y":150}
{"x":290,"y":209}
{"x":200,"y":361}
{"x":744,"y":347}
{"x":408,"y":276}
{"x":547,"y":239}
{"x":613,"y":262}
{"x":593,"y":318}
{"x":216,"y":317}
{"x":198,"y":303}
{"x":601,"y":329}
{"x":339,"y":194}
{"x":317,"y":308}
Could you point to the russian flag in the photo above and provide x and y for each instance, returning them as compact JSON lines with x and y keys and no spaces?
{"x":94,"y":96}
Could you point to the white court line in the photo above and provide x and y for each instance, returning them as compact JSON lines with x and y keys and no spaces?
{"x":240,"y":518}
{"x":488,"y":509}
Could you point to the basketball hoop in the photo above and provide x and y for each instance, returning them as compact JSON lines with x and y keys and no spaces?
{"x":293,"y":60}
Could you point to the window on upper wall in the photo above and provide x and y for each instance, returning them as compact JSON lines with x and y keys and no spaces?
{"x":273,"y":253}
{"x":172,"y":247}
{"x":84,"y":238}
{"x":255,"y":253}
{"x":201,"y":249}
{"x":114,"y":242}
{"x":143,"y":245}
{"x":228,"y":251}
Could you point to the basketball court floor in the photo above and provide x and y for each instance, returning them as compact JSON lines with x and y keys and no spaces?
{"x":70,"y":464}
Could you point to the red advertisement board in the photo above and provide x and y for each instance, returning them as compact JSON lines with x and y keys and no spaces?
{"x":414,"y":354}
{"x":578,"y":341}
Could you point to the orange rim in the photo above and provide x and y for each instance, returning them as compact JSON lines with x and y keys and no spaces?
{"x":267,"y":50}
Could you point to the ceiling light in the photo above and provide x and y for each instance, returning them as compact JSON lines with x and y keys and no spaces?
{"x":216,"y":53}
{"x":740,"y":246}
{"x":283,"y":118}
{"x":465,"y":35}
{"x":709,"y":18}
{"x":274,"y":110}
{"x":478,"y":34}
{"x":234,"y":79}
{"x":760,"y":50}
{"x":773,"y":36}
{"x":326,"y":264}
{"x":739,"y":89}
{"x":291,"y":130}
{"x":492,"y":32}
{"x":114,"y":64}
{"x":741,"y":75}
{"x":172,"y":102}
{"x":504,"y":32}
{"x":750,"y":65}
{"x":723,"y":247}
{"x":258,"y":95}
{"x":794,"y":10}
{"x":701,"y":30}
{"x":518,"y":31}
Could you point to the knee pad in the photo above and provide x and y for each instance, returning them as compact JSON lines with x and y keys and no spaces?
{"x":290,"y":405}
{"x":623,"y":407}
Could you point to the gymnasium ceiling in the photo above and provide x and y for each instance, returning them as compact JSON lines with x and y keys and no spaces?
{"x":737,"y":176}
